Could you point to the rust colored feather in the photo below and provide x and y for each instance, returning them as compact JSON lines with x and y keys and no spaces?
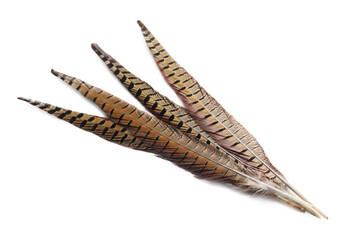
{"x":99,"y":126}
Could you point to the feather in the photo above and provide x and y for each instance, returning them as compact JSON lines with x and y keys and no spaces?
{"x":211,"y":116}
{"x":201,"y":138}
{"x":205,"y":110}
{"x":99,"y":126}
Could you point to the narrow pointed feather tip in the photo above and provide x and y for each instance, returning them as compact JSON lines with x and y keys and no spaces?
{"x":94,"y":46}
{"x":30,"y":101}
{"x":55,"y":72}
{"x":24,"y":99}
{"x":97,"y":49}
{"x":58,"y":74}
{"x":61,"y":75}
{"x":142,"y":26}
{"x":100,"y":52}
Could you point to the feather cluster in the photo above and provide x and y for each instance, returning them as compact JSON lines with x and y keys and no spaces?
{"x":201,"y":136}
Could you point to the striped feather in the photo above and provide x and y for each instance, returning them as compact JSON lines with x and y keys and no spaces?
{"x":207,"y":112}
{"x":99,"y":126}
{"x":212,"y":117}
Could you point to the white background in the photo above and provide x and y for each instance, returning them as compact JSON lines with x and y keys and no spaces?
{"x":282,"y":68}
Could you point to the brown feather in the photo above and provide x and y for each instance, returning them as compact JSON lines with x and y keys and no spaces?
{"x":207,"y":112}
{"x":99,"y":126}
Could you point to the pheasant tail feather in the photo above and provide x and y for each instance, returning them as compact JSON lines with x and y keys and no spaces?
{"x":212,"y":117}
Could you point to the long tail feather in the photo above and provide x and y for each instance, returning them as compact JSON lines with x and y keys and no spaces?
{"x":99,"y":126}
{"x":211,"y":116}
{"x":206,"y":111}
